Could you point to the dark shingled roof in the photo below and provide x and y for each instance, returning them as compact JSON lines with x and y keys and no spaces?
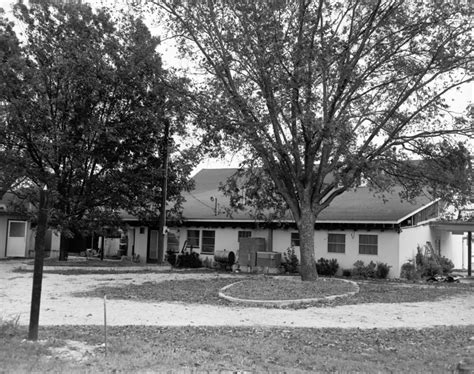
{"x":361,"y":205}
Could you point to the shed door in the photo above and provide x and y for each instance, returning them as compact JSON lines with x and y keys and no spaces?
{"x":16,"y":240}
{"x":153,"y":250}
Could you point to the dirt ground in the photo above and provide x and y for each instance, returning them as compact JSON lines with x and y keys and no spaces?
{"x":59,"y":307}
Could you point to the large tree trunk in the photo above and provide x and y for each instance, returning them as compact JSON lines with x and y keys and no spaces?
{"x":63,"y":248}
{"x":308,"y":270}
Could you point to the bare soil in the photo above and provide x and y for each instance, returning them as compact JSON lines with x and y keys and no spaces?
{"x":59,"y":306}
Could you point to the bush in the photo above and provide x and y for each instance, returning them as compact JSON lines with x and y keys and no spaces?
{"x":327,"y":267}
{"x":372,"y":270}
{"x":188,"y":260}
{"x":408,"y":271}
{"x":171,"y":257}
{"x":382,"y":270}
{"x":446,"y":265}
{"x":290,"y":261}
{"x":361,"y":270}
{"x":430,"y":267}
{"x":346,"y":272}
{"x":427,"y":265}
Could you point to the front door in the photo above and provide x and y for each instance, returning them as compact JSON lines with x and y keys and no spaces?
{"x":16,"y":240}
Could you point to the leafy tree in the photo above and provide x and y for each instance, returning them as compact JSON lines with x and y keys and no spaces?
{"x":324,"y":93}
{"x":84,"y":102}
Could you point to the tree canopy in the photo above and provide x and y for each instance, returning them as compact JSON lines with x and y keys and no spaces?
{"x":323,"y":94}
{"x":84,"y":102}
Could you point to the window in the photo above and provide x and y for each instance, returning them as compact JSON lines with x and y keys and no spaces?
{"x":193,"y":238}
{"x":368,"y":244}
{"x":208,"y":241}
{"x":295,"y":239}
{"x":244,"y":234}
{"x":337,"y":243}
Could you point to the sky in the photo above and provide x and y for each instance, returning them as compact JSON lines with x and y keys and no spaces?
{"x":458,"y":100}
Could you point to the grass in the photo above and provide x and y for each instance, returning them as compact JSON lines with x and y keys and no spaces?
{"x":205,"y":291}
{"x":222,"y":349}
{"x":282,"y":289}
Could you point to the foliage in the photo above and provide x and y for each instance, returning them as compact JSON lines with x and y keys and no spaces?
{"x":382,"y":270}
{"x":408,"y":271}
{"x":346,"y":272}
{"x":427,"y":264}
{"x":188,"y":260}
{"x":290,"y":261}
{"x":85,"y":100}
{"x":377,"y":270}
{"x":327,"y":267}
{"x":171,"y":257}
{"x":320,"y":95}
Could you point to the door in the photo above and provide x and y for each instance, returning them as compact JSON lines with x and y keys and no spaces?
{"x":153,"y":249}
{"x":16,"y":239}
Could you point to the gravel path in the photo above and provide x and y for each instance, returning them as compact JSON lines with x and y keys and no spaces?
{"x":58,"y":307}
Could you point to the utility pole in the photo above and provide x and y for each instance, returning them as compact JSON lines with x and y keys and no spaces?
{"x":164,"y":193}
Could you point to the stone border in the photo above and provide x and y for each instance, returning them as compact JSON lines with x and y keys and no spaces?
{"x":284,"y":302}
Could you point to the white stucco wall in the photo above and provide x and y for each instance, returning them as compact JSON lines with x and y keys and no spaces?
{"x":387,"y":251}
{"x":411,"y":238}
{"x":387,"y":247}
{"x":225,"y":238}
{"x":452,"y":248}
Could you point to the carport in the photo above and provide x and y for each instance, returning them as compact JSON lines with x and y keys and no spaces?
{"x":459,"y":228}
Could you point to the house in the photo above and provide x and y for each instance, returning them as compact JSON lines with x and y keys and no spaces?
{"x":17,"y":235}
{"x":358,"y":225}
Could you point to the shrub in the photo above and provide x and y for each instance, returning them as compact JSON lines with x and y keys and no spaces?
{"x":171,"y":257}
{"x":430,"y":267}
{"x":382,"y":270}
{"x":408,"y":271}
{"x":361,"y":270}
{"x":346,"y":272}
{"x":372,"y":270}
{"x":426,"y":265}
{"x":446,"y":265}
{"x":358,"y":269}
{"x":327,"y":267}
{"x":290,"y":261}
{"x":188,"y":260}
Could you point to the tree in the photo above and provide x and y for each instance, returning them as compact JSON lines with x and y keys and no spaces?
{"x":323,"y":93}
{"x":84,"y":103}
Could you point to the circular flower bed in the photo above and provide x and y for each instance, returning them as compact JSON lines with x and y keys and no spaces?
{"x":284,"y":291}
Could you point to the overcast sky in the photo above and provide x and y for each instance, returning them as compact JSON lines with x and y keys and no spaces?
{"x":458,"y":100}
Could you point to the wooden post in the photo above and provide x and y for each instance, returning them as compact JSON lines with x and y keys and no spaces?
{"x":38,"y":267}
{"x":105,"y":324}
{"x":164,"y":193}
{"x":469,"y":253}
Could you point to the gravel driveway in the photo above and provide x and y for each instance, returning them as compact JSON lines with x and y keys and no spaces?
{"x":58,"y":307}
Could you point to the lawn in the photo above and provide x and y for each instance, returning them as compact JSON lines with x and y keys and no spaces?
{"x":205,"y":291}
{"x":244,"y":349}
{"x":221,"y":349}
